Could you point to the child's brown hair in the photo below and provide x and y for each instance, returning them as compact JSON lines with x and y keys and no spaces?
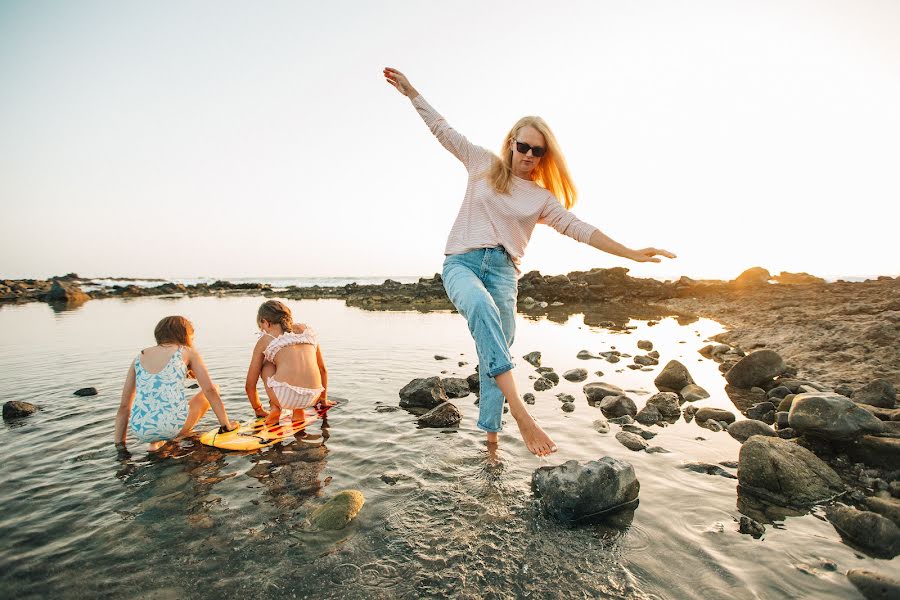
{"x":276,"y":312}
{"x":174,"y":330}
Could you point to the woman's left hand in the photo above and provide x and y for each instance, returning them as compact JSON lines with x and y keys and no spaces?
{"x":650,"y":254}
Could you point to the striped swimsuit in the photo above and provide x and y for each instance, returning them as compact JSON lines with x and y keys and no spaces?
{"x":291,"y":396}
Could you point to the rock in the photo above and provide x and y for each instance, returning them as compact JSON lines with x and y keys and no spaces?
{"x":778,"y":392}
{"x":386,"y":409}
{"x":743,"y":399}
{"x":443,"y":415}
{"x":875,"y":451}
{"x":528,"y":398}
{"x":585,"y":355}
{"x":338,"y":511}
{"x":708,"y":469}
{"x":67,"y":293}
{"x":755,"y":369}
{"x":543,"y":370}
{"x":874,"y":533}
{"x":714,"y":426}
{"x":618,"y":406}
{"x":473,"y":382}
{"x":882,"y":414}
{"x":455,"y":387}
{"x":424,"y":393}
{"x":623,"y":420}
{"x":731,"y":464}
{"x":673,"y":378}
{"x":601,"y":426}
{"x":88,"y":391}
{"x":653,"y":354}
{"x":666,"y":403}
{"x":14,"y":409}
{"x":784,"y":473}
{"x":534,"y":358}
{"x":440,"y":357}
{"x":781,"y":420}
{"x":831,"y":416}
{"x":631,"y":441}
{"x":785,"y":404}
{"x":393,"y":478}
{"x":612,"y":358}
{"x":575,"y":375}
{"x":878,"y":392}
{"x":636,"y":429}
{"x":568,"y":407}
{"x":572,"y":493}
{"x":874,"y":586}
{"x":645,"y":361}
{"x":752,"y":277}
{"x":708,"y":413}
{"x":743,"y":430}
{"x":645,"y":344}
{"x":657,"y":450}
{"x":786,"y":278}
{"x":787,"y":433}
{"x":552,"y":376}
{"x":693,"y":392}
{"x":689,"y":412}
{"x":597,"y":391}
{"x":565,"y":398}
{"x":886,"y":507}
{"x":762,"y":411}
{"x":648,"y":415}
{"x":751,"y":527}
{"x":542,"y":383}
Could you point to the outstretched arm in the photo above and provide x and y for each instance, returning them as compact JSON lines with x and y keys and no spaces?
{"x":469,"y":154}
{"x":125,"y":407}
{"x":601,"y":241}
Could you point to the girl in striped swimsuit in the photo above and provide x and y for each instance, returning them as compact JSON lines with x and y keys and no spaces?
{"x":288,"y":359}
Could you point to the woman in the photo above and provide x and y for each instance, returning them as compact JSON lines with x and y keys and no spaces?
{"x":505,"y":198}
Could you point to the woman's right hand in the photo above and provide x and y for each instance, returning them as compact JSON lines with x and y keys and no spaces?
{"x":399,"y":81}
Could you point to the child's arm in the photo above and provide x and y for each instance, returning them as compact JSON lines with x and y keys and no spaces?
{"x":253,"y":372}
{"x":125,"y":407}
{"x":323,"y":371}
{"x":210,"y":390}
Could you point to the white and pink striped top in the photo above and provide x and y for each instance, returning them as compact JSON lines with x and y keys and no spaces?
{"x":486,"y":218}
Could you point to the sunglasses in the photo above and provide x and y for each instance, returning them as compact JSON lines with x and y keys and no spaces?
{"x":536,"y":151}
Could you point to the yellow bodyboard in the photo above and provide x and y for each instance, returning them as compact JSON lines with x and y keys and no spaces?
{"x":252,"y":435}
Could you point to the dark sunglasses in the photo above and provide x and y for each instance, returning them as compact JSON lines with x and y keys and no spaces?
{"x":536,"y":151}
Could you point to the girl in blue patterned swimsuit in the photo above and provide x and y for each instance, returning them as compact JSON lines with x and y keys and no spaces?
{"x":154,"y":396}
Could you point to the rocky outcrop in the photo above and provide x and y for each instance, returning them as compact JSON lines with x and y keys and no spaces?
{"x":574,"y":493}
{"x":784,"y":473}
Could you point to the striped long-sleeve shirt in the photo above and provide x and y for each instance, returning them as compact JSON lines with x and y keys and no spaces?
{"x":487,"y":218}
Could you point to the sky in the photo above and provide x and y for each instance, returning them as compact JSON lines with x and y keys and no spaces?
{"x":193,"y":139}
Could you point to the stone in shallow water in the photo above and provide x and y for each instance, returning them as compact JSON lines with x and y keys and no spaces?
{"x":876,"y":534}
{"x":15,"y":409}
{"x":542,"y":384}
{"x":743,"y":430}
{"x":708,"y":469}
{"x":618,"y":406}
{"x":666,"y":403}
{"x":874,"y":586}
{"x":755,"y":369}
{"x":88,"y":391}
{"x":574,"y":493}
{"x":781,"y":472}
{"x":528,"y":398}
{"x":831,"y":416}
{"x":575,"y":375}
{"x":568,"y":407}
{"x":533,"y":358}
{"x":693,"y":392}
{"x":338,"y":511}
{"x":673,"y":378}
{"x":631,"y":441}
{"x":585,"y":355}
{"x":648,"y":415}
{"x":600,"y":426}
{"x":456,"y":387}
{"x":426,"y":392}
{"x":443,"y":415}
{"x":751,"y":527}
{"x":708,"y":413}
{"x":645,"y":344}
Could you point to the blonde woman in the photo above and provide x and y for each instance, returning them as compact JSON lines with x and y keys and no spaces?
{"x":505,"y":198}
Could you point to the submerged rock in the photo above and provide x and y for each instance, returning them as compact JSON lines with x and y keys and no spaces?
{"x":573,"y":493}
{"x":585,"y":355}
{"x":528,"y":398}
{"x":744,"y":430}
{"x":15,"y":409}
{"x":443,"y":415}
{"x":645,"y":345}
{"x":876,"y":534}
{"x":784,"y":473}
{"x":756,"y":369}
{"x":673,"y":378}
{"x":338,"y":511}
{"x":542,"y":384}
{"x":708,"y":469}
{"x":831,"y":416}
{"x":87,"y":391}
{"x":424,"y":393}
{"x":600,"y":426}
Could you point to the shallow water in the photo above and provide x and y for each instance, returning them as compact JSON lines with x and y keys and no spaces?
{"x":77,"y":520}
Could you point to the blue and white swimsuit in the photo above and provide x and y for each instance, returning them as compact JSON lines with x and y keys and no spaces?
{"x":160,"y":408}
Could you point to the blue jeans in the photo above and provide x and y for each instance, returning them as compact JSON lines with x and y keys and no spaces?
{"x":482,"y":286}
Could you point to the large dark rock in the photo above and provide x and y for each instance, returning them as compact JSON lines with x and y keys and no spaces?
{"x":456,"y":387}
{"x":708,"y":413}
{"x":666,"y":403}
{"x":66,"y":293}
{"x":874,"y":586}
{"x":756,"y":369}
{"x":15,"y":409}
{"x":831,"y":416}
{"x":673,"y":378}
{"x":598,"y":390}
{"x":762,"y":411}
{"x":574,"y":493}
{"x":423,"y":393}
{"x":648,"y":415}
{"x":87,"y":391}
{"x":781,"y":472}
{"x":876,"y":534}
{"x":533,"y":358}
{"x":878,"y":392}
{"x":744,"y":430}
{"x":474,"y":383}
{"x":617,"y":406}
{"x":443,"y":415}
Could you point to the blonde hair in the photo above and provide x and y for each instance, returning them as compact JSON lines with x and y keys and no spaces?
{"x":276,"y":313}
{"x":551,"y":171}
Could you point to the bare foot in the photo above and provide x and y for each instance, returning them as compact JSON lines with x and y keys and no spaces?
{"x":274,"y":416}
{"x":536,"y":440}
{"x":154,"y":446}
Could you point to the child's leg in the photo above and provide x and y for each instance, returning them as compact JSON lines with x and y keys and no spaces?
{"x":274,"y":406}
{"x":197,"y":407}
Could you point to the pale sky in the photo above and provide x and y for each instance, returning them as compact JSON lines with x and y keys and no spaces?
{"x":182,"y":139}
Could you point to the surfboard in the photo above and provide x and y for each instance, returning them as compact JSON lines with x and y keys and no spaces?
{"x":252,"y":435}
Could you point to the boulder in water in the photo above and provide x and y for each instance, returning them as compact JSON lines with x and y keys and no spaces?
{"x":15,"y":409}
{"x":874,"y":586}
{"x":666,"y":403}
{"x":456,"y":387}
{"x":338,"y":511}
{"x":756,"y":369}
{"x":598,"y":390}
{"x":831,"y":416}
{"x":784,"y":473}
{"x":618,"y":406}
{"x":744,"y":430}
{"x":574,"y":493}
{"x":673,"y":378}
{"x":631,"y":441}
{"x":878,"y":535}
{"x":533,"y":358}
{"x":443,"y":415}
{"x":708,"y":413}
{"x":693,"y":392}
{"x":575,"y":375}
{"x":423,"y":393}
